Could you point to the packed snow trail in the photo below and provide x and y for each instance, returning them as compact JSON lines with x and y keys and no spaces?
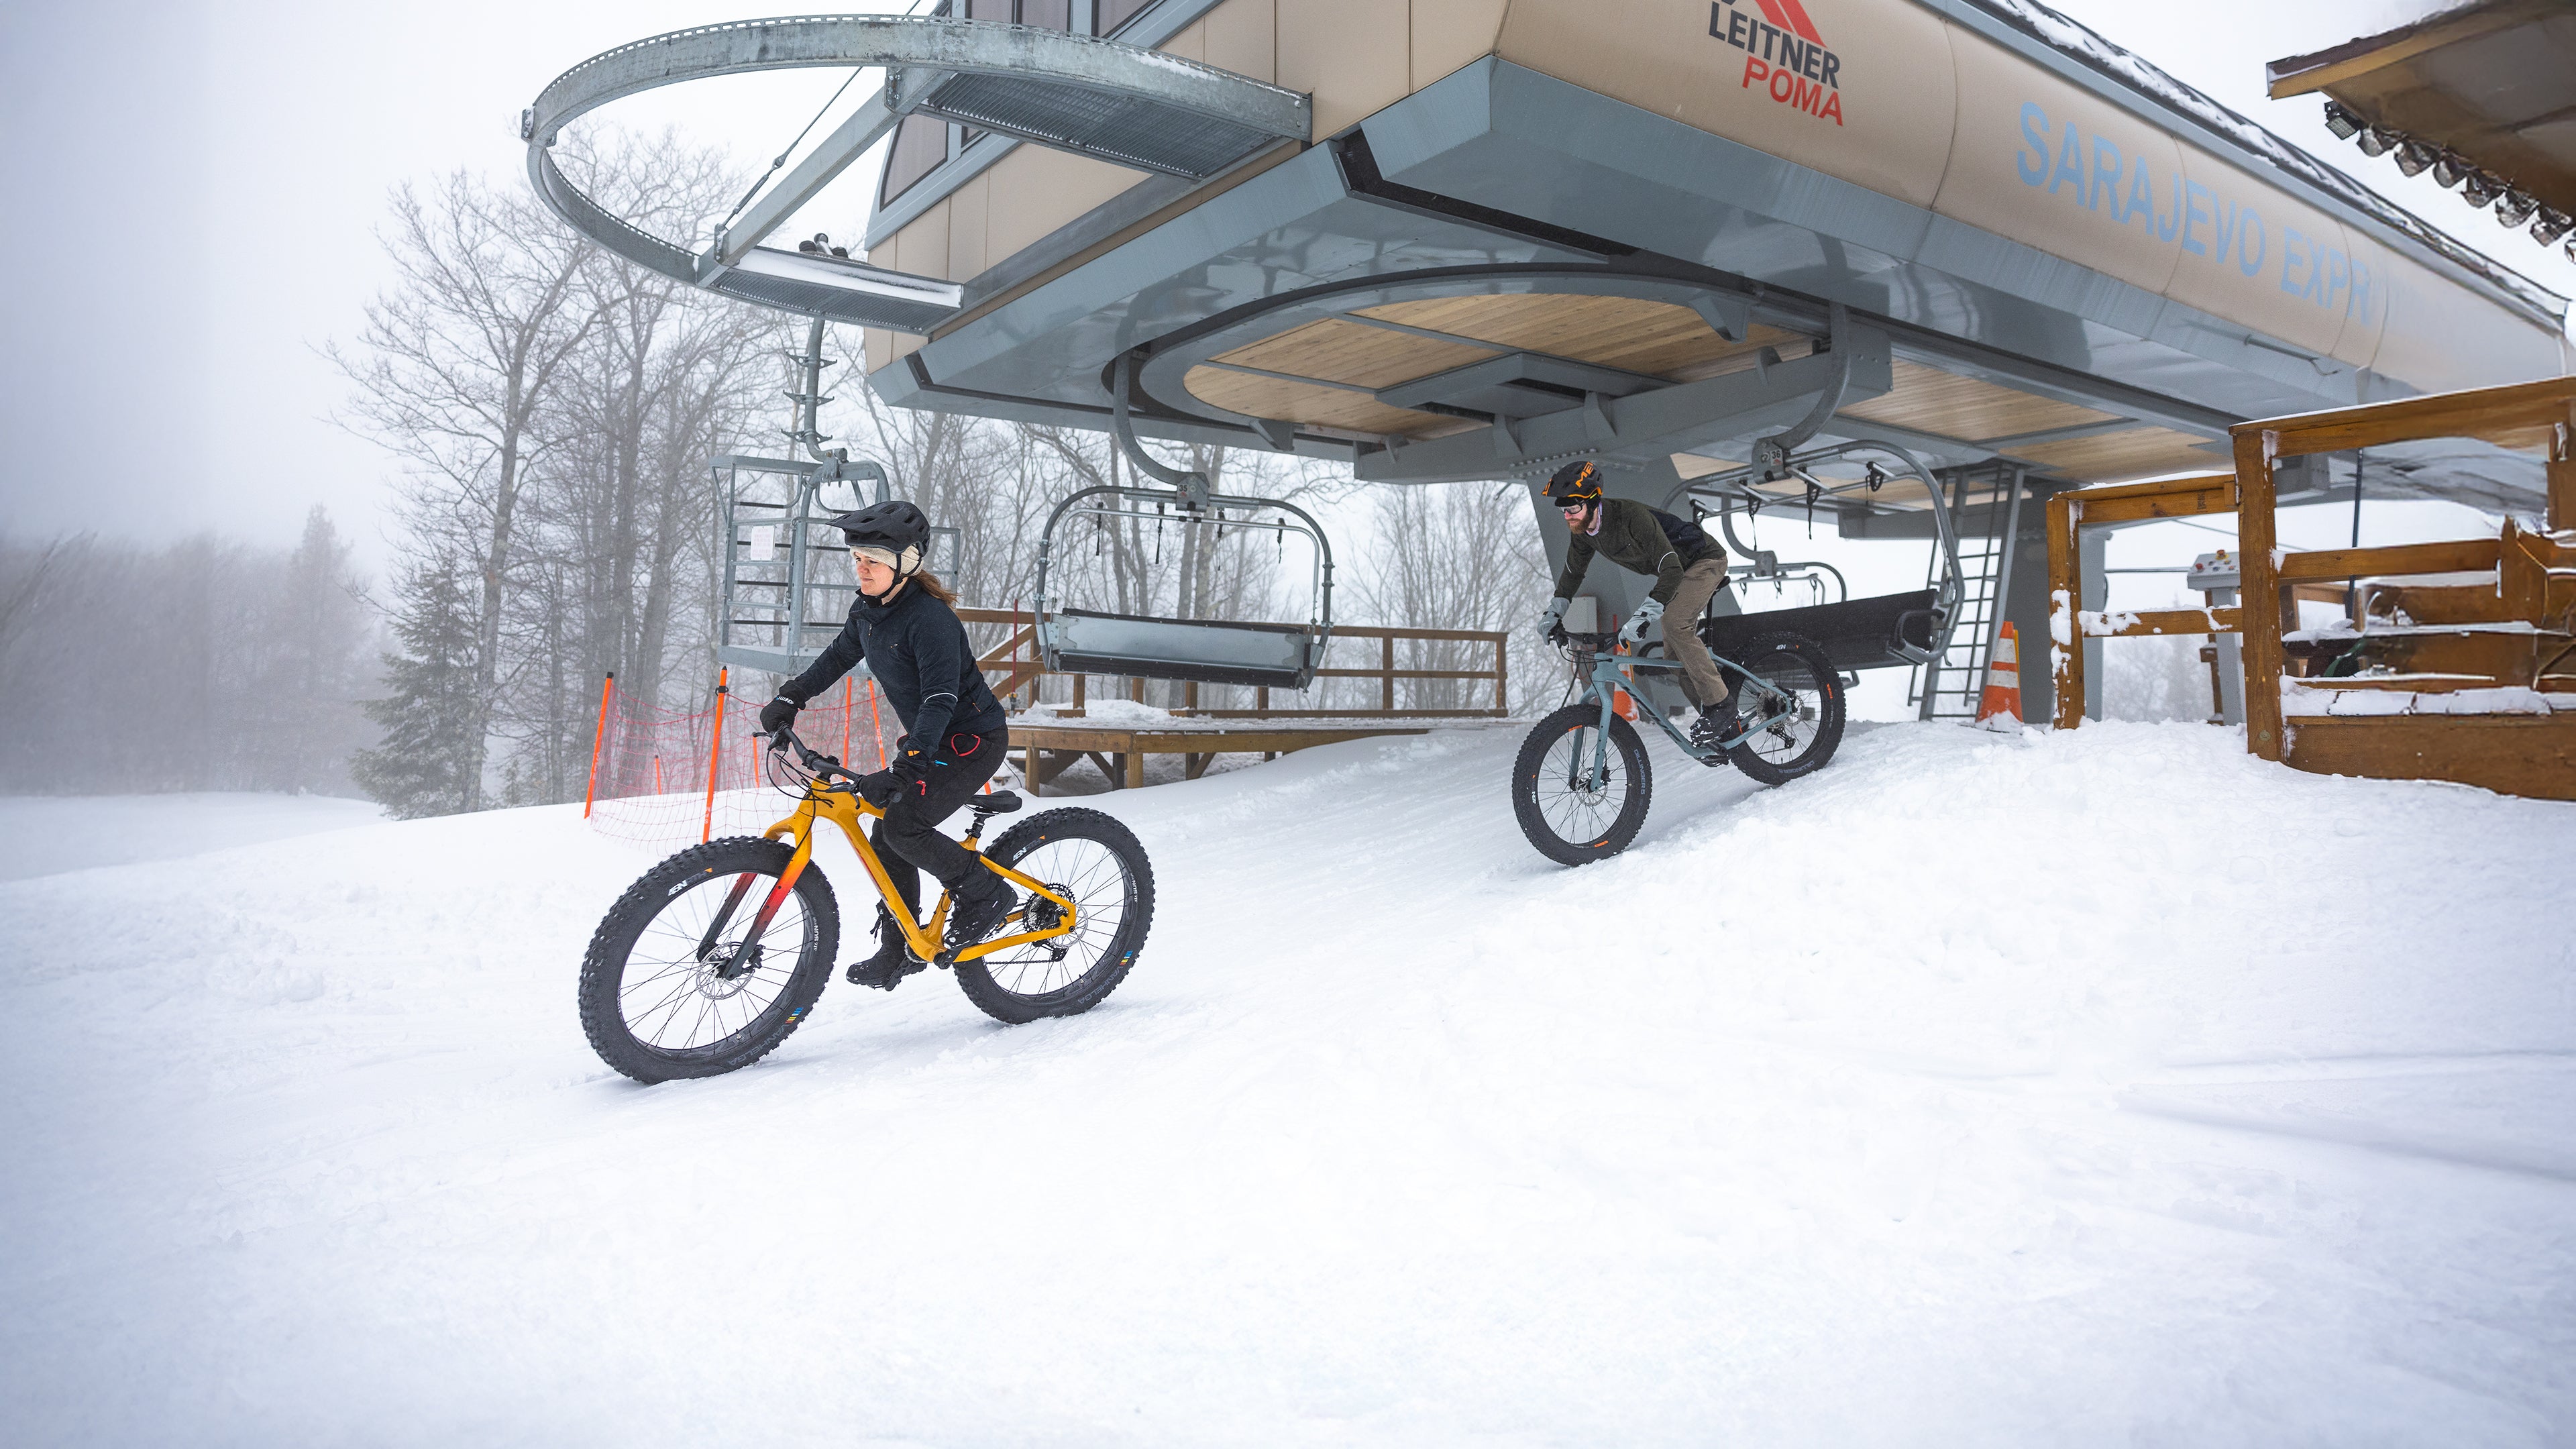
{"x":2108,"y":1087}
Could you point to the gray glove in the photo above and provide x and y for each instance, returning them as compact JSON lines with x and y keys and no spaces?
{"x":1640,"y":623}
{"x":1553,"y":615}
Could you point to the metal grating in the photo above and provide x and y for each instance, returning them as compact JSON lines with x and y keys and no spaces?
{"x":1092,"y":121}
{"x":838,"y":303}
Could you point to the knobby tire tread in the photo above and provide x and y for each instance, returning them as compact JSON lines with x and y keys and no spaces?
{"x":1533,"y":754}
{"x":1015,"y":843}
{"x":1829,"y":714}
{"x":601,"y":972}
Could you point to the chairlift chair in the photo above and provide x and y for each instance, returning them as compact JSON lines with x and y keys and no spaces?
{"x":1205,"y":651}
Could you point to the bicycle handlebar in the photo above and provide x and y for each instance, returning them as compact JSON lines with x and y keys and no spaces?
{"x":823,"y":766}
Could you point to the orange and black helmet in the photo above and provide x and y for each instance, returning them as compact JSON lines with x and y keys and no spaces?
{"x":1575,"y":483}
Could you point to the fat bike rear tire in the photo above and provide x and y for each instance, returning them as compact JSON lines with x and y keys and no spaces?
{"x":1802,"y":736}
{"x":1096,"y":862}
{"x":657,"y":1005}
{"x":1565,"y":822}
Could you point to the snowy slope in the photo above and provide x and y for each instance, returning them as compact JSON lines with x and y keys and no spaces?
{"x":2093,"y":1089}
{"x":44,"y":834}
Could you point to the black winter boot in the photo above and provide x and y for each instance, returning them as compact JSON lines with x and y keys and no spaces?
{"x":892,"y":962}
{"x":1715,"y":722}
{"x":976,"y":906}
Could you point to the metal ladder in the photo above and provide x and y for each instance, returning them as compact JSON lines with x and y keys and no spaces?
{"x":1951,"y":686}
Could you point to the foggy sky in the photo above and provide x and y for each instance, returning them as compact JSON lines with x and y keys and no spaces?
{"x":193,"y":191}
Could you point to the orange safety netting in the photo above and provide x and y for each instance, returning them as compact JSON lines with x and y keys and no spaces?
{"x":664,"y":778}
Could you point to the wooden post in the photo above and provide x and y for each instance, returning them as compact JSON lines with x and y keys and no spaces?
{"x":1079,"y":681}
{"x":1190,"y":696}
{"x":2065,"y":607}
{"x":1502,"y":674}
{"x":715,"y":757}
{"x":1386,"y":676}
{"x":1136,"y":688}
{"x":1135,"y":763}
{"x":2259,"y":612}
{"x":597,"y":735}
{"x":2562,"y":474}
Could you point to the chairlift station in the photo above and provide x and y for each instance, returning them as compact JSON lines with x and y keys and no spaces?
{"x":1901,"y":266}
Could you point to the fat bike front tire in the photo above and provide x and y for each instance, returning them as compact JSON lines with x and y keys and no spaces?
{"x":1798,"y":736}
{"x":670,"y":987}
{"x":1566,"y":819}
{"x":1097,"y":863}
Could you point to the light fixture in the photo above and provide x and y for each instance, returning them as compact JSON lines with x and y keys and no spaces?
{"x":2448,"y":170}
{"x":2414,"y":156}
{"x":2342,"y":122}
{"x":2376,"y":140}
{"x":2515,"y":207}
{"x":2551,"y":224}
{"x":2481,"y":187}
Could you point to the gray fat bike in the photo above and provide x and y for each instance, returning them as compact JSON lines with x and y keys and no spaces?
{"x":1581,"y":784}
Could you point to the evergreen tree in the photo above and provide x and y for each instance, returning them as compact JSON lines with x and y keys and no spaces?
{"x":431,"y":761}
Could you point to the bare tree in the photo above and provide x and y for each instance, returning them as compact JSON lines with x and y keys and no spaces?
{"x":454,"y":367}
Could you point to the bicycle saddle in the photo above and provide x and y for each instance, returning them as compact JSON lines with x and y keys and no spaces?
{"x":1000,"y":802}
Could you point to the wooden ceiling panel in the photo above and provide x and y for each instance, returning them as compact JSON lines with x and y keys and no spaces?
{"x":1354,"y":353}
{"x":2117,"y":457}
{"x":1948,"y":405}
{"x":1658,"y":338}
{"x":1308,"y":402}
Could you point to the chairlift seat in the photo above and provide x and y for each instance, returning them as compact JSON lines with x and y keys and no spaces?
{"x":1208,"y":651}
{"x":1872,"y":633}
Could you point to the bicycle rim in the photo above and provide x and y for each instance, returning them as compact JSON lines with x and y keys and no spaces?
{"x":675,"y":1003}
{"x":1789,"y":727}
{"x":1577,"y":801}
{"x":1087,"y":873}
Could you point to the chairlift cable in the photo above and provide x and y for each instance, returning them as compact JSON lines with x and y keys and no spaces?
{"x":763,"y":179}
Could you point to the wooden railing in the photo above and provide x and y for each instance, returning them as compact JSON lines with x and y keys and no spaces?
{"x":1013,"y":667}
{"x":2471,"y":737}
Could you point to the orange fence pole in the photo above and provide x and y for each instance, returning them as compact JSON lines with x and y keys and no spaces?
{"x":847,"y":709}
{"x":876,"y":724}
{"x":715,"y":756}
{"x":597,"y":735}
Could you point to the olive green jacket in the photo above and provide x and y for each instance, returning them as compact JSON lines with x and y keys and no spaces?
{"x":1630,"y":537}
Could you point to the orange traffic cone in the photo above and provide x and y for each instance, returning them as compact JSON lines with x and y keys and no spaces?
{"x":2003,"y":681}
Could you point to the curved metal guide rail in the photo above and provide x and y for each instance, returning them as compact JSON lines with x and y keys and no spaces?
{"x":1207,"y":651}
{"x":1094,"y":97}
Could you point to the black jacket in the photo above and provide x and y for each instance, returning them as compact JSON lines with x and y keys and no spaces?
{"x":918,"y":652}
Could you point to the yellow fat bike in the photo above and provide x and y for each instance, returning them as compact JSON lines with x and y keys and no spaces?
{"x":714,"y":956}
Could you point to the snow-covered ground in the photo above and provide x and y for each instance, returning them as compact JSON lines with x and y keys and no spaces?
{"x":2106,"y":1088}
{"x":44,"y":834}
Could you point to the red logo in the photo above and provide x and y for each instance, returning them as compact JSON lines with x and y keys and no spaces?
{"x":1784,"y":57}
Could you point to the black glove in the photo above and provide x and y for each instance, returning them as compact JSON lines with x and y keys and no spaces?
{"x":778,"y":714}
{"x":881,"y":789}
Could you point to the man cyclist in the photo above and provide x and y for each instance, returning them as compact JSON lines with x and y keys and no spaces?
{"x":955,"y":733}
{"x":1687,"y":565}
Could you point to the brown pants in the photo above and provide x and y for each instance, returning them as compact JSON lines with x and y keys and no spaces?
{"x":1700,"y":679}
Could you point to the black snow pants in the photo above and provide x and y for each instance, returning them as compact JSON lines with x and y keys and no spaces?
{"x":907,"y":840}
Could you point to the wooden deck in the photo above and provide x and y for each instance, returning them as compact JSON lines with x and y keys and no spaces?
{"x":1049,"y":748}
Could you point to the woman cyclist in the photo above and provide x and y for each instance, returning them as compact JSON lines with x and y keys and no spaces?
{"x":954,"y":732}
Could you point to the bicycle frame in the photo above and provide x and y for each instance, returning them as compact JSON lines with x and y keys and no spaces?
{"x":1611,"y":672}
{"x":840,"y":804}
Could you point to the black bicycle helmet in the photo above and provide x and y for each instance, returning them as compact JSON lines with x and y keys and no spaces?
{"x":894,"y":533}
{"x":1575,"y":483}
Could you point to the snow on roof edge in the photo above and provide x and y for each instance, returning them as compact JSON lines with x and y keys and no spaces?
{"x":2080,"y":43}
